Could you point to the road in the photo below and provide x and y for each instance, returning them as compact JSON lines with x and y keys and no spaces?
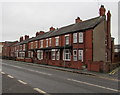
{"x":45,"y":80}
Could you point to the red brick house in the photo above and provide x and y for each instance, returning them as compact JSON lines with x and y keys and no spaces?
{"x":84,"y":44}
{"x":8,"y":50}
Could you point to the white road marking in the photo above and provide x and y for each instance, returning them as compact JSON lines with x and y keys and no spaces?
{"x":41,"y":91}
{"x":2,"y":72}
{"x":30,"y":70}
{"x":22,"y":82}
{"x":94,"y":85}
{"x":10,"y":76}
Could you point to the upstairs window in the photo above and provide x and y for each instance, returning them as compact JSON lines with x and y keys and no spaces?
{"x":57,"y":41}
{"x":41,"y":44}
{"x":46,"y":42}
{"x":80,"y":55}
{"x":81,"y":37}
{"x":31,"y":45}
{"x":74,"y":37}
{"x":66,"y":39}
{"x":20,"y":47}
{"x":36,"y":44}
{"x":50,"y":41}
{"x":24,"y":46}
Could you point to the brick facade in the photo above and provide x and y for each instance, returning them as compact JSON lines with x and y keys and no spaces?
{"x":72,"y":46}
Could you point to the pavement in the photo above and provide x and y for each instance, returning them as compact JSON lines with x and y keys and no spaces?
{"x":114,"y":74}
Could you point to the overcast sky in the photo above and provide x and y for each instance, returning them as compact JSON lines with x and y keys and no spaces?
{"x":20,"y":18}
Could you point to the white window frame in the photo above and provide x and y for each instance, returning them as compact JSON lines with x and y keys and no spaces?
{"x":29,"y":53}
{"x":53,"y":54}
{"x":81,"y":36}
{"x":58,"y":55}
{"x":24,"y":45}
{"x":80,"y":54}
{"x":56,"y":41}
{"x":65,"y":55}
{"x":67,"y":42}
{"x":74,"y":55}
{"x":20,"y":47}
{"x":46,"y":42}
{"x":31,"y":45}
{"x":41,"y":43}
{"x":74,"y":37}
{"x":40,"y":54}
{"x":50,"y":41}
{"x":36,"y":44}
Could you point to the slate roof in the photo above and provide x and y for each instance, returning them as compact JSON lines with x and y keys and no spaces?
{"x":8,"y":43}
{"x":84,"y":25}
{"x":23,"y":42}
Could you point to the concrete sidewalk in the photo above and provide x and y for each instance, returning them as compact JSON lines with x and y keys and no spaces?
{"x":85,"y":72}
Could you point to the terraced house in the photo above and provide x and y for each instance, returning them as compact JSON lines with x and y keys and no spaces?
{"x":84,"y":44}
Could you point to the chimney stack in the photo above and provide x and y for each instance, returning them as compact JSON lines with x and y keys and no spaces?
{"x":21,"y":39}
{"x":102,"y":11}
{"x":78,"y":20}
{"x":108,"y":15}
{"x":26,"y":37}
{"x":39,"y":33}
{"x":52,"y":29}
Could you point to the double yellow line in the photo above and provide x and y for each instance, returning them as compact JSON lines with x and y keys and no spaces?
{"x":114,"y":71}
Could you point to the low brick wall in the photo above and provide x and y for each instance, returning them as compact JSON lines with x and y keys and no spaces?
{"x":19,"y":59}
{"x":28,"y":60}
{"x":95,"y":66}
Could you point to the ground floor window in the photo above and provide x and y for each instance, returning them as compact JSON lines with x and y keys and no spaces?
{"x":53,"y":54}
{"x":21,"y":54}
{"x":57,"y":55}
{"x":40,"y":54}
{"x":75,"y":55}
{"x":80,"y":55}
{"x":30,"y":53}
{"x":16,"y":54}
{"x":66,"y":55}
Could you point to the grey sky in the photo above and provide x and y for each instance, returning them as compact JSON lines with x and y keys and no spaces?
{"x":19,"y":19}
